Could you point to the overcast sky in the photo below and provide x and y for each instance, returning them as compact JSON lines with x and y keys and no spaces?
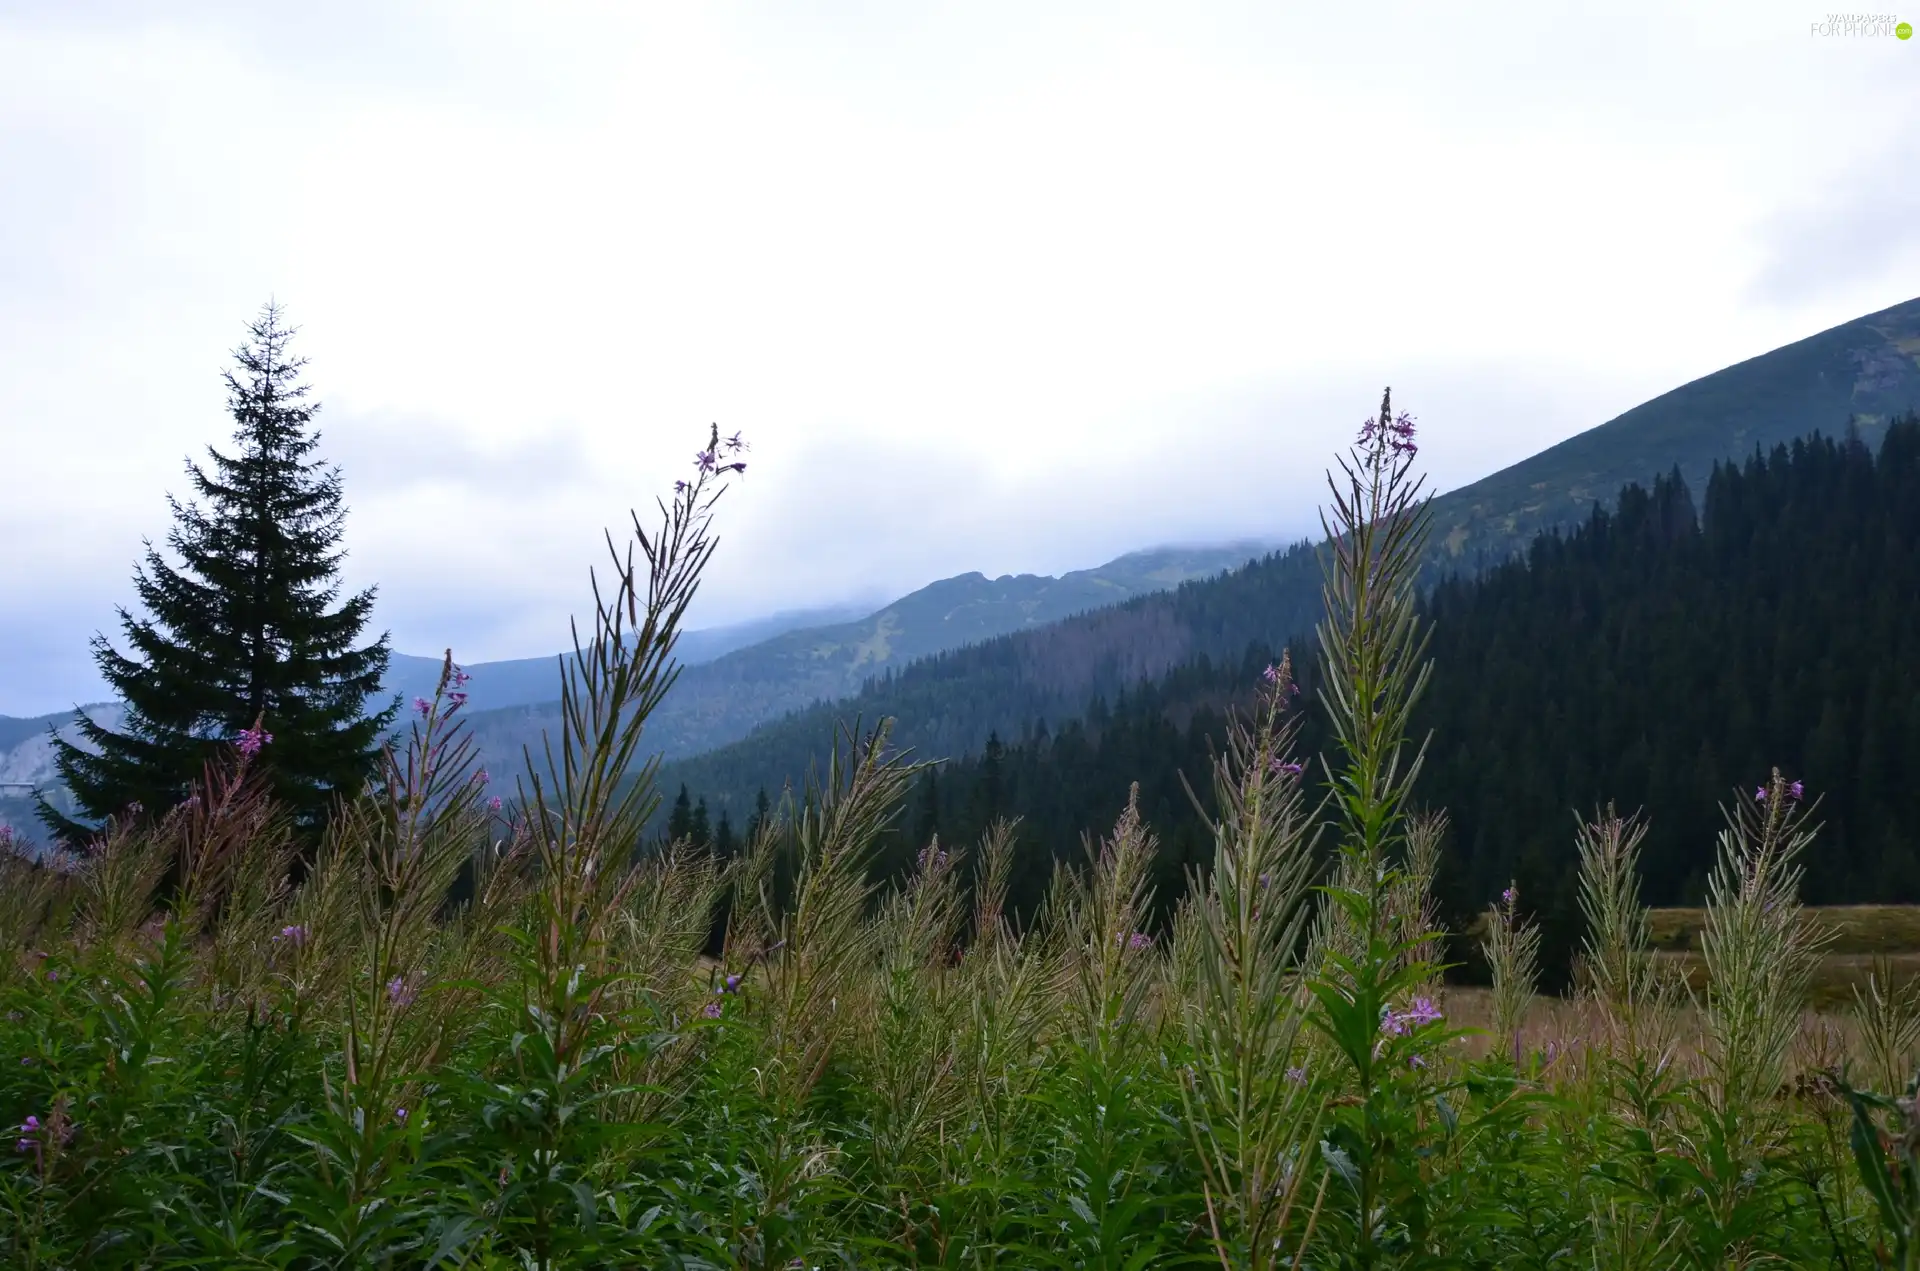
{"x":1009,"y":287}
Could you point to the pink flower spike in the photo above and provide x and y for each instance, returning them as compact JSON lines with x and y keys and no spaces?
{"x":421,"y":705}
{"x":493,"y":804}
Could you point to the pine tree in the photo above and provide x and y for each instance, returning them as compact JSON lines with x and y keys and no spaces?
{"x":245,"y":633}
{"x":762,"y":808}
{"x":725,"y":846}
{"x":929,"y":822}
{"x":702,"y":827}
{"x":680,"y":820}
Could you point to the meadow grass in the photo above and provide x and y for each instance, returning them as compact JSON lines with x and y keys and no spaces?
{"x":217,"y":1054}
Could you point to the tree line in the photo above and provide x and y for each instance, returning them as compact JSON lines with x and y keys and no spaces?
{"x":1658,"y":656}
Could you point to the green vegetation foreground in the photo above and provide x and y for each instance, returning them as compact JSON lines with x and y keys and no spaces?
{"x":216,"y":1067}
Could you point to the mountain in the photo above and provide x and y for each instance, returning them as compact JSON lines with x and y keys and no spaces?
{"x":529,"y":681}
{"x":26,"y":762}
{"x":737,"y":676}
{"x":1858,"y":375}
{"x":720,"y":701}
{"x":1650,"y":656}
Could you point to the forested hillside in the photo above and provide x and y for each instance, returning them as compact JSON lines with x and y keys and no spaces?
{"x":1652,"y":656}
{"x":1858,"y":375}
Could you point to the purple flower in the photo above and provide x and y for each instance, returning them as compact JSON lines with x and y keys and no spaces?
{"x":23,"y":1145}
{"x":421,"y":705}
{"x":1508,"y":896}
{"x":31,"y":1125}
{"x":1760,"y":794}
{"x":1416,"y":1061}
{"x":1424,"y":1011}
{"x":295,"y":935}
{"x":53,"y":975}
{"x":399,"y":992}
{"x":493,"y":804}
{"x":457,"y":698}
{"x":1287,"y":767}
{"x":400,"y":1115}
{"x":1298,"y":1076}
{"x":735,"y":445}
{"x":1397,"y":433}
{"x":704,"y":461}
{"x":481,"y":778}
{"x":732,"y":984}
{"x":931,"y":859}
{"x":1271,"y":675}
{"x":679,"y":487}
{"x":712,"y":1010}
{"x":460,"y":678}
{"x":1795,"y":791}
{"x":251,"y":739}
{"x":192,"y":802}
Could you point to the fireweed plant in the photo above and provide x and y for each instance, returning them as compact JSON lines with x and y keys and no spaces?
{"x":480,"y":1031}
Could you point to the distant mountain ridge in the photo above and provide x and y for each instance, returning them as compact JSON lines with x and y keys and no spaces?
{"x":737,"y":676}
{"x":528,"y":681}
{"x":1857,"y":375}
{"x":720,"y":701}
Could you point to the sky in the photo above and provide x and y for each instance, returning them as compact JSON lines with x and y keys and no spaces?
{"x":1009,"y":287}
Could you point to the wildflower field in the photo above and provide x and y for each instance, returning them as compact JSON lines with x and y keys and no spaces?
{"x":467,"y":1032}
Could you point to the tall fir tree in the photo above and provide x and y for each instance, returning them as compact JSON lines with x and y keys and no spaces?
{"x":680,"y":820}
{"x":762,"y":809}
{"x":702,"y":826}
{"x":246,"y":631}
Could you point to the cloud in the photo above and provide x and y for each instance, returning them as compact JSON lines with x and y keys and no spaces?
{"x":990,"y":287}
{"x":1859,"y":226}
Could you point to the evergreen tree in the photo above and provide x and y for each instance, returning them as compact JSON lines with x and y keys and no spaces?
{"x":928,"y":823}
{"x":725,"y":846}
{"x":680,"y":821}
{"x":988,"y":791}
{"x":245,"y":633}
{"x":761,"y":810}
{"x":702,"y":827}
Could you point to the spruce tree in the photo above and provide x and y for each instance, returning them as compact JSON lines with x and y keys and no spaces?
{"x":762,"y":809}
{"x":702,"y":826}
{"x":245,"y":633}
{"x":680,"y":820}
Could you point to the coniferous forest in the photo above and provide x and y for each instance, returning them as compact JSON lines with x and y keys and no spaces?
{"x":1658,"y":656}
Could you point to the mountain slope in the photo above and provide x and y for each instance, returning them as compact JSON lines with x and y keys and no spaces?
{"x":1863,"y":372}
{"x":720,"y":701}
{"x":1651,"y":656}
{"x":529,"y":681}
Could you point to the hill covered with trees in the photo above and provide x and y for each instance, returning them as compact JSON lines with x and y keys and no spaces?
{"x":1859,"y":375}
{"x":1659,"y":655}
